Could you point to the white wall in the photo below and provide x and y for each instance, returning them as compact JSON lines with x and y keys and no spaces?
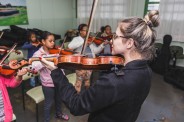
{"x":55,"y":16}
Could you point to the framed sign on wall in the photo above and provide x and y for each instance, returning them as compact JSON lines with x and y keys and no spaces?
{"x":13,"y":12}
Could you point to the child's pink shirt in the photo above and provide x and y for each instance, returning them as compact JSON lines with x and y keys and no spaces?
{"x":7,"y":82}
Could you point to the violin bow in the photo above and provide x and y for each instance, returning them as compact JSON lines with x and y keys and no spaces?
{"x":95,"y":36}
{"x":4,"y":58}
{"x":89,"y":25}
{"x":93,"y":54}
{"x":62,"y":44}
{"x":1,"y":34}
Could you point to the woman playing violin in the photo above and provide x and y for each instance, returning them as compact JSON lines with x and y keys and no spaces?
{"x":92,"y":49}
{"x":117,"y":95}
{"x":32,"y":45}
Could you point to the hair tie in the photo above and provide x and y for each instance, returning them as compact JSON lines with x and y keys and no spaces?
{"x":149,"y":23}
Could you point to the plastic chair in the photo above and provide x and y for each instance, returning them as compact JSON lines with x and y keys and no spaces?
{"x":25,"y":77}
{"x":37,"y":95}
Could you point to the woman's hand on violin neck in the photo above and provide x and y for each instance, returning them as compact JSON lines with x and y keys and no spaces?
{"x":48,"y":64}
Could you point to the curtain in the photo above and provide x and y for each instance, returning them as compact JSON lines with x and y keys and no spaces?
{"x":108,"y":12}
{"x":172,"y":19}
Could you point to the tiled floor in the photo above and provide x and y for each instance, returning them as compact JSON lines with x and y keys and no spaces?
{"x":165,"y":103}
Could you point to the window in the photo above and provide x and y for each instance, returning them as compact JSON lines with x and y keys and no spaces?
{"x":151,"y":5}
{"x":106,"y":9}
{"x":108,"y":12}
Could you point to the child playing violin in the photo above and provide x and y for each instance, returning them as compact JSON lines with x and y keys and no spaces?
{"x":83,"y":76}
{"x":48,"y":87}
{"x":6,"y":111}
{"x":32,"y":45}
{"x":107,"y":35}
{"x":107,"y":32}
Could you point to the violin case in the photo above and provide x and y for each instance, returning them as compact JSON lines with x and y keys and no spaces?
{"x":161,"y":63}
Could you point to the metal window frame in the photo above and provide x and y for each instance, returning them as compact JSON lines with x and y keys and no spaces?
{"x":146,"y":5}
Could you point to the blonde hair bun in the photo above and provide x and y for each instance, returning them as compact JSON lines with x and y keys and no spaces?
{"x":152,"y":18}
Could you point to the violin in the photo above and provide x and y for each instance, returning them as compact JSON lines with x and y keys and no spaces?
{"x":14,"y":65}
{"x":96,"y":40}
{"x":4,"y":70}
{"x":85,"y":63}
{"x":11,"y":69}
{"x":109,"y":37}
{"x":61,"y":51}
{"x":76,"y":62}
{"x":20,"y":64}
{"x":36,"y":43}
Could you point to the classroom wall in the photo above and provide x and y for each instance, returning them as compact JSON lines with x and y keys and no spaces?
{"x":55,"y":16}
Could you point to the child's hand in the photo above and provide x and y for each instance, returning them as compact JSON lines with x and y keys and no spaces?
{"x":22,"y":72}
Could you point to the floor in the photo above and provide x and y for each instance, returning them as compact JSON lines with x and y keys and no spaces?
{"x":165,"y":103}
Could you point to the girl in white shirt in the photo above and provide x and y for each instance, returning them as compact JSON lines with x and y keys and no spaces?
{"x":91,"y":50}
